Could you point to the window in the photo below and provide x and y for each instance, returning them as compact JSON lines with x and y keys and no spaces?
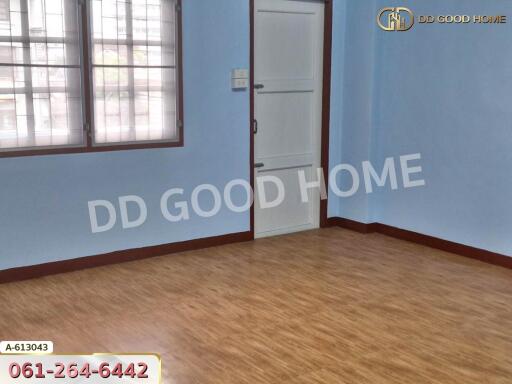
{"x":134,"y":70}
{"x":40,"y":97}
{"x":89,"y":75}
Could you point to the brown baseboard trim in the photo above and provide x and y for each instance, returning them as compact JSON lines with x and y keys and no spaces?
{"x":352,"y":225}
{"x":31,"y":272}
{"x":429,"y":241}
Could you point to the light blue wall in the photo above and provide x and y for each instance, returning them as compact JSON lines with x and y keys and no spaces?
{"x":337,"y":91}
{"x":353,"y":70}
{"x":43,"y":200}
{"x":444,"y":91}
{"x":452,"y":102}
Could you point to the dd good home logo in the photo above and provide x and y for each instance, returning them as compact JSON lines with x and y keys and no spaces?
{"x":395,"y":19}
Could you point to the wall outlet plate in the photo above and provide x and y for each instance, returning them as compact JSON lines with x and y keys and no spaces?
{"x":240,"y":83}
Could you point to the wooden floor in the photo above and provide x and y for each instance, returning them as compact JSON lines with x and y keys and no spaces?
{"x":327,"y":306}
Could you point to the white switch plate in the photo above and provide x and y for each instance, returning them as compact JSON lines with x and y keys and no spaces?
{"x":240,"y":73}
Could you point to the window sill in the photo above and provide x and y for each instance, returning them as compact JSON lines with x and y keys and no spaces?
{"x":90,"y":149}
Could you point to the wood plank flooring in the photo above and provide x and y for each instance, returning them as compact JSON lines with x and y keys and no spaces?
{"x":326,"y":306}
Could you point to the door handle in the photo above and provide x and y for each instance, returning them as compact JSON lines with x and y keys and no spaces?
{"x":255,"y":126}
{"x":259,"y":86}
{"x":259,"y":165}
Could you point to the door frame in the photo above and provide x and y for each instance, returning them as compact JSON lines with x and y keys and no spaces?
{"x":326,"y":107}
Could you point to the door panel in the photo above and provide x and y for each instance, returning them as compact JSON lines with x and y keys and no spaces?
{"x":292,"y":215}
{"x":287,"y":34}
{"x":288,"y":103}
{"x":288,"y":121}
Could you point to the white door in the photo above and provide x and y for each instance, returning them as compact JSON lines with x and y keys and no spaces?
{"x":288,"y":59}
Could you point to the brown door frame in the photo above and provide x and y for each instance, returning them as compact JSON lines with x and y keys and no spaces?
{"x":326,"y":106}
